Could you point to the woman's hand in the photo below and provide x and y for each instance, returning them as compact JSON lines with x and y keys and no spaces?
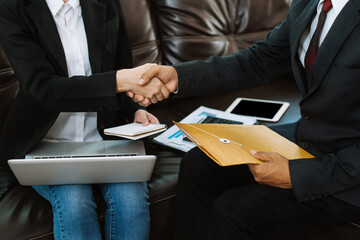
{"x":144,"y":117}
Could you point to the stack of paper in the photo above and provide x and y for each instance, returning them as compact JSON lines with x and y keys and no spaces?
{"x":174,"y":138}
{"x":135,"y":131}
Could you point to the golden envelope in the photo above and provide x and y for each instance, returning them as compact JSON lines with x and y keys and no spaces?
{"x":229,"y":144}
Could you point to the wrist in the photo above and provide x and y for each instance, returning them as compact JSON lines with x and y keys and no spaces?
{"x":176,"y":81}
{"x":121,"y":84}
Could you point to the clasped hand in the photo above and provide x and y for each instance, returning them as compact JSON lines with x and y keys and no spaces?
{"x":148,"y":83}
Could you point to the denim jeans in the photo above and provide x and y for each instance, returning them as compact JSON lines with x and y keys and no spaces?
{"x":74,"y":211}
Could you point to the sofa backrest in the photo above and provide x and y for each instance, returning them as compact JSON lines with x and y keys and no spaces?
{"x":172,"y":31}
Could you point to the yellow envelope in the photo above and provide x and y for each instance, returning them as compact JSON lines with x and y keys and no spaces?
{"x":229,"y":144}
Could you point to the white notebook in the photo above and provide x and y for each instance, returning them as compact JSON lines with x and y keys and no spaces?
{"x":135,"y":131}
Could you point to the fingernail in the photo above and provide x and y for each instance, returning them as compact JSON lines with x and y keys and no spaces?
{"x":253,"y":152}
{"x":139,"y":99}
{"x":141,"y":81}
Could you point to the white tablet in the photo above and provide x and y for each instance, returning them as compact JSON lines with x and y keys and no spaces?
{"x":263,"y":110}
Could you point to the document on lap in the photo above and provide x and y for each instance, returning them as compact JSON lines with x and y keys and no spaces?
{"x":174,"y":138}
{"x":135,"y":131}
{"x":231,"y":144}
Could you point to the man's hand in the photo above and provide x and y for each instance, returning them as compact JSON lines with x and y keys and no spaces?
{"x":167,"y":74}
{"x":127,"y":80}
{"x":274,"y":172}
{"x":144,"y":117}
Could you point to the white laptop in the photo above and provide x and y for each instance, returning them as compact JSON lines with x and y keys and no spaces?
{"x":84,"y":163}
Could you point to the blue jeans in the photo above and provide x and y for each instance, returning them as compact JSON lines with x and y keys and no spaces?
{"x":74,"y":211}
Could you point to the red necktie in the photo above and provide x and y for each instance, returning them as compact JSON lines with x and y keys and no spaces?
{"x":314,"y":43}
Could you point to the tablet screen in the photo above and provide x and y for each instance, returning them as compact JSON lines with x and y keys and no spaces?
{"x":257,"y":109}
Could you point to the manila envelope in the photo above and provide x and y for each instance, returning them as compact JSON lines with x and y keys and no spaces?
{"x":229,"y":144}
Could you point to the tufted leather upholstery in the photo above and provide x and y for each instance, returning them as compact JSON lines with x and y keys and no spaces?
{"x":167,"y":32}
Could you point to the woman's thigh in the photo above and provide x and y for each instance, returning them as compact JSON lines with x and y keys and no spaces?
{"x":74,"y":196}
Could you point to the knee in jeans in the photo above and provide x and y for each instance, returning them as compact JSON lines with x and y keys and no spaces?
{"x":79,"y":208}
{"x":75,"y":201}
{"x":127,"y":196}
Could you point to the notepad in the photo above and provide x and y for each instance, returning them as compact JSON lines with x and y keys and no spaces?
{"x":135,"y":131}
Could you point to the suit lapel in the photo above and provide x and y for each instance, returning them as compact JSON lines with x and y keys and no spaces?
{"x":347,"y":20}
{"x":94,"y":15}
{"x":39,"y":12}
{"x":301,"y":23}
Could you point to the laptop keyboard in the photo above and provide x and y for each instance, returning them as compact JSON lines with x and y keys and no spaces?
{"x":88,"y":156}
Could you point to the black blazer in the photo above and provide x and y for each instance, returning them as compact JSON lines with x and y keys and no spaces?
{"x":330,"y":109}
{"x":32,"y":44}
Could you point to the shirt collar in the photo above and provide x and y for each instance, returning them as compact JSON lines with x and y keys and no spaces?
{"x":338,"y":5}
{"x":56,"y":5}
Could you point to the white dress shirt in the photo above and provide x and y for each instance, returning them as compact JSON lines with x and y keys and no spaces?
{"x":80,"y":126}
{"x":338,"y":5}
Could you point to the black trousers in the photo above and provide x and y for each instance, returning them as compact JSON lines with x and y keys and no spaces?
{"x":215,"y":202}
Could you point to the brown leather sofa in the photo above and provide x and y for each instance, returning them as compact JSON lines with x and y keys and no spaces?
{"x":167,"y":32}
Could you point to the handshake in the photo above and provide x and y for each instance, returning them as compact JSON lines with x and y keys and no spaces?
{"x":148,"y":83}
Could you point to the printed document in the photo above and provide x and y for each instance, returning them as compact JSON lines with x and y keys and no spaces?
{"x":174,"y":138}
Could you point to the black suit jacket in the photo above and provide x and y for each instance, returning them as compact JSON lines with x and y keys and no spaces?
{"x":330,"y":109}
{"x":32,"y":44}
